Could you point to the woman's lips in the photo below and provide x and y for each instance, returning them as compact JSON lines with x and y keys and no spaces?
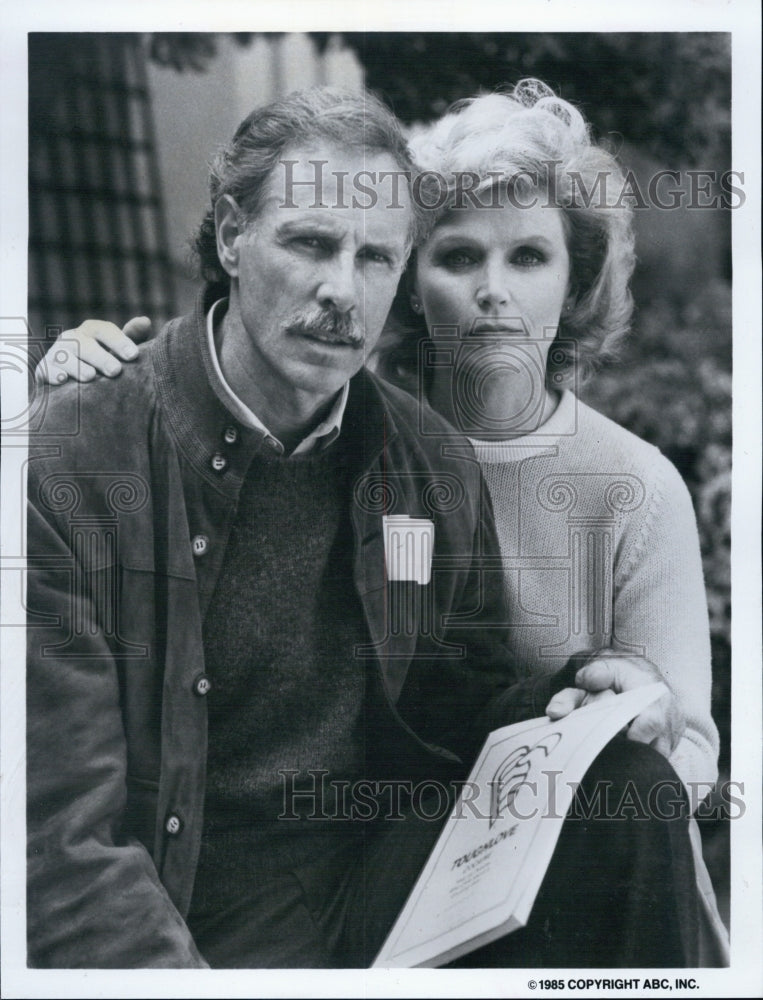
{"x":482,"y":326}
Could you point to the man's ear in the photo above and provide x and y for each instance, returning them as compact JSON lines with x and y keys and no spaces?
{"x":228,"y":228}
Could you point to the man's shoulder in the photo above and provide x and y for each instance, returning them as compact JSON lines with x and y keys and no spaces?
{"x":414,"y":417}
{"x":98,"y":419}
{"x":421,"y":443}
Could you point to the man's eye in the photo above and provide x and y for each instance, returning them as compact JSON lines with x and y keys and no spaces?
{"x":309,"y":242}
{"x":376,"y":257}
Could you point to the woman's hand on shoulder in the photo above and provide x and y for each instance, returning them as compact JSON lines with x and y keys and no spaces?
{"x":94,"y":347}
{"x":661,"y":724}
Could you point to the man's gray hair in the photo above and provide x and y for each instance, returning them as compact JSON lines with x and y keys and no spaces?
{"x":241,"y":168}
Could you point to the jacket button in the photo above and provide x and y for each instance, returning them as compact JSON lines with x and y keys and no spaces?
{"x":231,"y":435}
{"x":202,"y":685}
{"x":219,"y":462}
{"x":173,"y":825}
{"x":199,"y":544}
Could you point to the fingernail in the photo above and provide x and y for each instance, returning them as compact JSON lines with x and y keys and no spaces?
{"x":111,"y":369}
{"x":130,"y":352}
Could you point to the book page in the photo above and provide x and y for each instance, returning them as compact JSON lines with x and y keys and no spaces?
{"x":486,"y":868}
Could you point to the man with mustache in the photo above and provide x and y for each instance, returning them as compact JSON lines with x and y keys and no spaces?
{"x":221,"y":651}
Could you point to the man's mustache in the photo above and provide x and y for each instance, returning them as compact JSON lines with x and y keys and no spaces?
{"x":328,"y":324}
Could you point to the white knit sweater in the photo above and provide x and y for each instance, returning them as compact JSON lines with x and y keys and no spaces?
{"x":600,"y":548}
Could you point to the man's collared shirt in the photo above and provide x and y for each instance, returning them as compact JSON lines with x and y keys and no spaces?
{"x":321,"y":436}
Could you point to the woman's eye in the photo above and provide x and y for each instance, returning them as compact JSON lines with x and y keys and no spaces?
{"x":457,"y":259}
{"x":528,"y":256}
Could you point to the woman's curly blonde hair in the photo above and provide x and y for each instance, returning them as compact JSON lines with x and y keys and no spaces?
{"x":530,"y":140}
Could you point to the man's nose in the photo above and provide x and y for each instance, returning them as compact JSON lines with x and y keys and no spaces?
{"x":337,"y":287}
{"x":493,"y":291}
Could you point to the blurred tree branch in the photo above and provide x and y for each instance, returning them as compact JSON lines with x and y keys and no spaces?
{"x":670,"y":92}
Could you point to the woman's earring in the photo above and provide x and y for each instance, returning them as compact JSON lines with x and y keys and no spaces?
{"x":415,"y":304}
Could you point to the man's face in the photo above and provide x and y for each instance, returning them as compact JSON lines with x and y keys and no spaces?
{"x":313,"y":285}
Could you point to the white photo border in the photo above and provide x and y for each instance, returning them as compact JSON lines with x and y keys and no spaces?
{"x":739,"y":17}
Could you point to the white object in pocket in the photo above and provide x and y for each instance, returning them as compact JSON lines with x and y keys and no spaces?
{"x":408,"y":547}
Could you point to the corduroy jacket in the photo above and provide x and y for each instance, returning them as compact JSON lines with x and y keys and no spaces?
{"x":132,"y":490}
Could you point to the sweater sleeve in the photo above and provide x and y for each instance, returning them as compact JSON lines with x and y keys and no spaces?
{"x":94,"y":898}
{"x":660,"y":606}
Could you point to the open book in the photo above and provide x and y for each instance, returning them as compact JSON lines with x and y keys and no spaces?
{"x":487,"y":866}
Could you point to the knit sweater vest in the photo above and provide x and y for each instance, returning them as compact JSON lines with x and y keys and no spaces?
{"x":288,"y":693}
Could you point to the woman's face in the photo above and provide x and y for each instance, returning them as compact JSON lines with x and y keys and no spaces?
{"x":496,"y":279}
